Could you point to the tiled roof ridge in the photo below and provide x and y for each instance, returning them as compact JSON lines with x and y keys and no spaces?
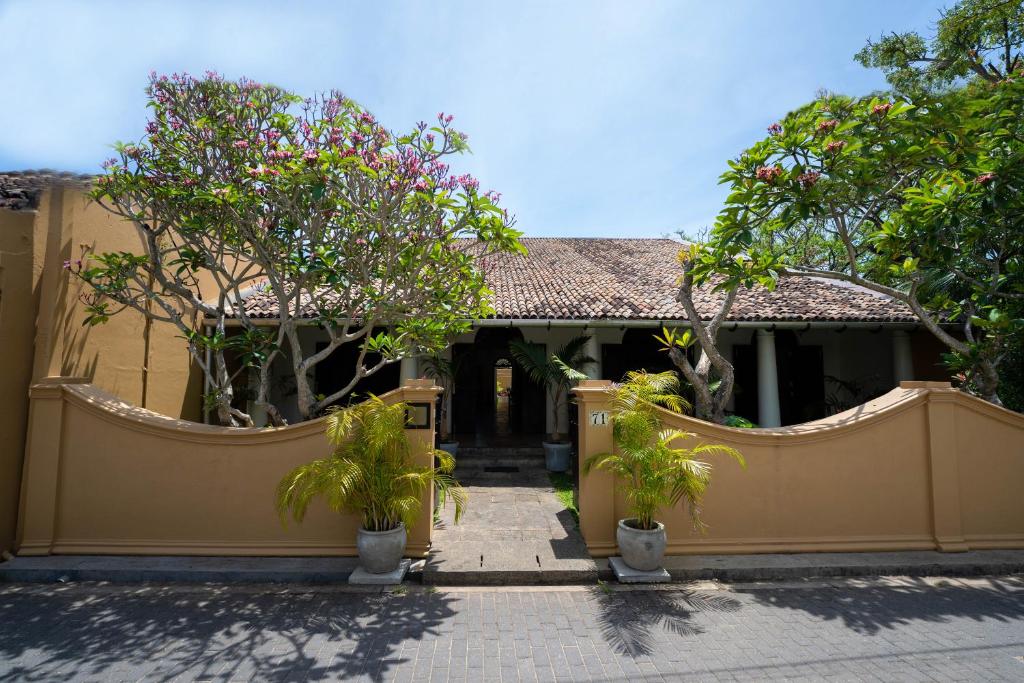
{"x":566,"y":278}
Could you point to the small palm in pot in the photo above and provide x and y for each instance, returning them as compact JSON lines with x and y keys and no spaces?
{"x":370,"y":473}
{"x":653,"y":472}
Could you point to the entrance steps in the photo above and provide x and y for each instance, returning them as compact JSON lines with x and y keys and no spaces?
{"x":528,"y":453}
{"x":475,"y":461}
{"x":509,"y":563}
{"x":515,"y":530}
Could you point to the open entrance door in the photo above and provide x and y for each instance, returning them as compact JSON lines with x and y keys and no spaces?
{"x":492,"y":394}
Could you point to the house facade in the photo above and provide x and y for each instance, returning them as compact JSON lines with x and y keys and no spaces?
{"x":807,"y":349}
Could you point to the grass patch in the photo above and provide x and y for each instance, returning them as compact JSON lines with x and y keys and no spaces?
{"x":565,"y":492}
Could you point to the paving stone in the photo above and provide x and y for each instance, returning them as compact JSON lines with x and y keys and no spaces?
{"x":514,"y":531}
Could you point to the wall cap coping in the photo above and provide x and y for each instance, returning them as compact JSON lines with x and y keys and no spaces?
{"x":915,"y":384}
{"x":906,"y":397}
{"x":109,"y":407}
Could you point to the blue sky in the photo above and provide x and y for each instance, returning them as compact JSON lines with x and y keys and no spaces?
{"x":591,"y":118}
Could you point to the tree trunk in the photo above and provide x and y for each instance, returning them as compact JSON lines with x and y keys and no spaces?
{"x":263,"y":394}
{"x":708,"y":405}
{"x":988,"y":385}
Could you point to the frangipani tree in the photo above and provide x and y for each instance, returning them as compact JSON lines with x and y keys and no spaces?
{"x":343,"y":223}
{"x":712,"y":377}
{"x":917,"y":200}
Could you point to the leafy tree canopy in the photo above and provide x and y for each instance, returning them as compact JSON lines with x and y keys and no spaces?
{"x":916,"y":198}
{"x":239,"y":185}
{"x":979,"y":39}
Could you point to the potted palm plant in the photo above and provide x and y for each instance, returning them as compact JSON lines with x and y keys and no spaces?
{"x":556,"y":373}
{"x":443,"y":371}
{"x":653,"y":472}
{"x":370,"y":473}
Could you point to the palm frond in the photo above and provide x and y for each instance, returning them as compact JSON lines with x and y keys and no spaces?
{"x":570,"y":373}
{"x":532,"y":359}
{"x":572,"y":352}
{"x":370,"y":473}
{"x":654,"y":469}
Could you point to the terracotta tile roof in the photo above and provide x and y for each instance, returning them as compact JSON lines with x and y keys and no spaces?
{"x":634,"y":279}
{"x":20,"y":190}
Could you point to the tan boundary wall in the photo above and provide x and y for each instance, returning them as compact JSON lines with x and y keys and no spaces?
{"x":41,"y":332}
{"x":923,"y":467}
{"x":103,"y":476}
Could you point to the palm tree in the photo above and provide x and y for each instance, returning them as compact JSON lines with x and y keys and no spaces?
{"x":370,"y":473}
{"x":556,"y":373}
{"x":653,"y":473}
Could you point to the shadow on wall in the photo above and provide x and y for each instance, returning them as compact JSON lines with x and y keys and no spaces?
{"x":199,"y":633}
{"x":73,"y":360}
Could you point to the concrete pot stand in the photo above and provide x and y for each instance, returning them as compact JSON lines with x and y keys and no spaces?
{"x":642,"y":553}
{"x":380,"y":557}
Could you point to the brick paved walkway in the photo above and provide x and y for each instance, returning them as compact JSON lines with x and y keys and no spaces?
{"x":878,"y":630}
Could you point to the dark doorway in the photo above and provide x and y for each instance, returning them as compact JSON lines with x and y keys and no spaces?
{"x":639,"y":350}
{"x":744,"y":392}
{"x":492,"y":394}
{"x":801,"y":379}
{"x":801,"y":374}
{"x":337,"y":370}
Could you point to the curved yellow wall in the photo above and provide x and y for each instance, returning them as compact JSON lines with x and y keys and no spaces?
{"x":923,"y":467}
{"x":102,"y":476}
{"x":41,"y":331}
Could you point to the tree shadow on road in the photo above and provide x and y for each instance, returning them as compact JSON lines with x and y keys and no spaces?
{"x":205,"y":632}
{"x":870,"y":609}
{"x":630,"y":620}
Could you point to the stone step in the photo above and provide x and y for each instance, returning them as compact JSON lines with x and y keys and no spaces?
{"x":511,"y":577}
{"x":509,"y":563}
{"x":178,"y":569}
{"x":503,"y":452}
{"x":522,"y":462}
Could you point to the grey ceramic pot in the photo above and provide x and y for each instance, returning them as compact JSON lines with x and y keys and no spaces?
{"x":449,"y":447}
{"x":381,"y":551}
{"x":557,"y":456}
{"x":642,"y":550}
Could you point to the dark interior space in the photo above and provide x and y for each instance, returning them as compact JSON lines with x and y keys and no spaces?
{"x":475,"y":400}
{"x":801,"y":375}
{"x":337,"y":370}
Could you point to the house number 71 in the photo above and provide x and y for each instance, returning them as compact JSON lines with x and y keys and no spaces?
{"x":598,"y":418}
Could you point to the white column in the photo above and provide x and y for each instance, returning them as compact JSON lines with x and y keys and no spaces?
{"x":593,"y":349}
{"x":767,"y":381}
{"x":902,"y":358}
{"x":409,"y":369}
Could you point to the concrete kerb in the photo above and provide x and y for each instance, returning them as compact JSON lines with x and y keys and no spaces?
{"x":808,"y":567}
